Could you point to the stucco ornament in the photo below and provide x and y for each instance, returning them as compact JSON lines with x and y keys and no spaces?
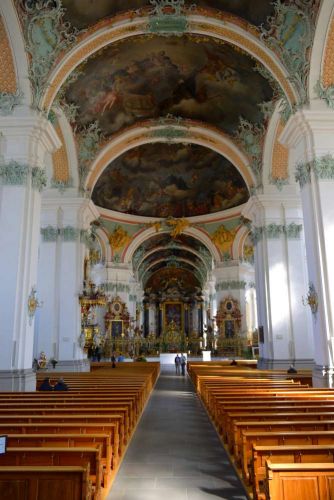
{"x":46,"y":34}
{"x":311,"y":299}
{"x":168,"y":17}
{"x":8,"y":101}
{"x":89,"y":140}
{"x":251,"y":137}
{"x":290,"y":35}
{"x":33,"y":303}
{"x":322,"y":167}
{"x":325,"y":93}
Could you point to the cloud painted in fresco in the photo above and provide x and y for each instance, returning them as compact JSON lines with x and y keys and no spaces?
{"x":161,"y":180}
{"x":149,"y":77}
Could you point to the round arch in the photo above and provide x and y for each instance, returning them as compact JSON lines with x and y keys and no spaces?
{"x":189,"y":131}
{"x":223,"y":28}
{"x":181,"y":247}
{"x":144,"y":235}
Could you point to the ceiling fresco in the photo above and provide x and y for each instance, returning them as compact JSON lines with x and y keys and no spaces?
{"x":168,"y":276}
{"x":164,"y":241}
{"x":153,"y":76}
{"x":163,"y":180}
{"x":83,"y":13}
{"x":169,"y":255}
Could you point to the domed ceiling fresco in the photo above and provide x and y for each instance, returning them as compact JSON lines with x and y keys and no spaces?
{"x":82,"y":13}
{"x":150,"y":77}
{"x":162,"y":180}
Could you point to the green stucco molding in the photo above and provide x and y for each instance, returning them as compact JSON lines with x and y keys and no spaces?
{"x":8,"y":101}
{"x":168,"y":18}
{"x":46,"y":35}
{"x":322,"y":167}
{"x":275,"y":231}
{"x":230,"y":285}
{"x":14,"y":173}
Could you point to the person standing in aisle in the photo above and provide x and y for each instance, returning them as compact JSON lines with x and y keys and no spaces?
{"x":183,"y":364}
{"x":177,"y":364}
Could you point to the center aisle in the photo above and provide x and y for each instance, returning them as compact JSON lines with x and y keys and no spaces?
{"x":175,"y":453}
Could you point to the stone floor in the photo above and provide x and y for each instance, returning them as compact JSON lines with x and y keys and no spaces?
{"x":175,"y":453}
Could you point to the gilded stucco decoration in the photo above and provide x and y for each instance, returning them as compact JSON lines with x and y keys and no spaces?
{"x":223,"y":237}
{"x":327,"y":76}
{"x":7,"y":70}
{"x":119,"y":238}
{"x":61,"y":172}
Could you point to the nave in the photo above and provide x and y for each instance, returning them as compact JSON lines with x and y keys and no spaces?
{"x":175,"y":452}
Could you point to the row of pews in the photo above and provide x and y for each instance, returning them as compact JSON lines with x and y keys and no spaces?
{"x":279,"y":431}
{"x":68,"y":445}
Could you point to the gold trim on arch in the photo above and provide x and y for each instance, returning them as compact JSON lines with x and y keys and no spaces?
{"x":111,"y":152}
{"x":95,"y":41}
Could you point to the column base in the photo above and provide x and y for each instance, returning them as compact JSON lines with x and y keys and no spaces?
{"x":323,"y":376}
{"x":18,"y":380}
{"x":284,"y":364}
{"x":72,"y":365}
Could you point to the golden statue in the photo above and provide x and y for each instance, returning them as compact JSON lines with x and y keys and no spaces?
{"x":178,"y":225}
{"x":223,"y":237}
{"x":119,"y":238}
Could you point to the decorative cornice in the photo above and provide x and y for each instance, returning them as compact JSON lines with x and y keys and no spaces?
{"x":49,"y":233}
{"x":278,"y":182}
{"x":67,"y":234}
{"x":230,"y":285}
{"x":46,"y":34}
{"x":14,"y":173}
{"x":275,"y":231}
{"x":61,"y":185}
{"x":18,"y":174}
{"x":8,"y":101}
{"x":323,"y":168}
{"x":38,"y":178}
{"x":293,"y":230}
{"x":115,"y":287}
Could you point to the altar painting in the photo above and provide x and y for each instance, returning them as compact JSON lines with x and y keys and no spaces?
{"x":173,"y":315}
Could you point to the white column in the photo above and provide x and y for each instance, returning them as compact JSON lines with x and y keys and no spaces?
{"x":25,"y":143}
{"x":61,"y":266}
{"x":309,"y":135}
{"x":280,"y":277}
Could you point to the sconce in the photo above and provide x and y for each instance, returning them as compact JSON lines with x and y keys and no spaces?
{"x":311,"y":299}
{"x":33,"y":303}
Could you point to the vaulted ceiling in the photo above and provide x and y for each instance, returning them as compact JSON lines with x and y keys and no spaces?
{"x":187,"y":75}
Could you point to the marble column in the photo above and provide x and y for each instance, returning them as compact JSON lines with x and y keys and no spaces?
{"x":309,"y":135}
{"x":25,"y":144}
{"x":65,"y":229}
{"x":281,"y":277}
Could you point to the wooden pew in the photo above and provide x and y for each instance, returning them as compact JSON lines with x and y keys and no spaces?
{"x":67,"y":440}
{"x":41,"y":482}
{"x":67,"y":428}
{"x":284,"y":454}
{"x":235,"y":441}
{"x":299,"y":481}
{"x":58,"y":457}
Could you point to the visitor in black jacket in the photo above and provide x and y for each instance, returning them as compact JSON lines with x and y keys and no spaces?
{"x":61,"y":386}
{"x":45,"y":385}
